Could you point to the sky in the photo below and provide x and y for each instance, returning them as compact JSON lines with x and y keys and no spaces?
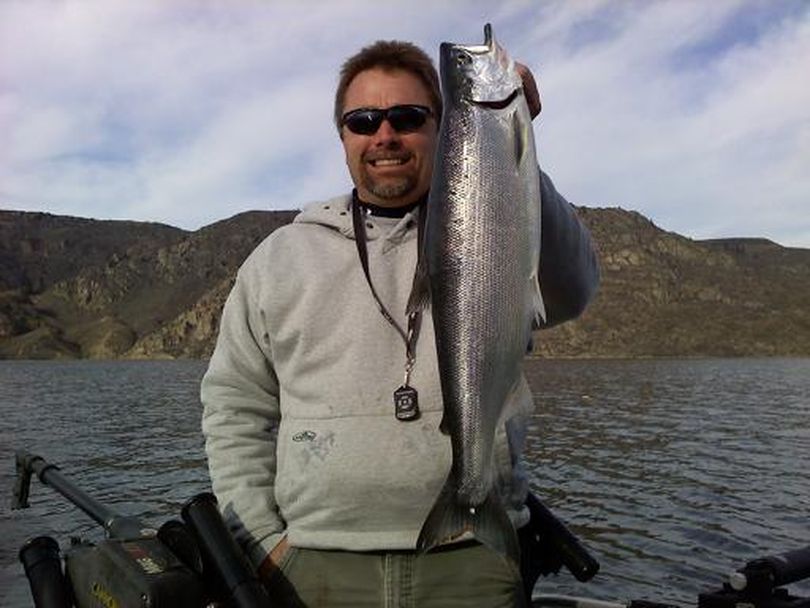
{"x":693,"y":113}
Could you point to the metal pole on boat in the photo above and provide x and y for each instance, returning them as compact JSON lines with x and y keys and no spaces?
{"x":219,"y":549}
{"x":763,"y":575}
{"x":569,"y":601}
{"x":115,"y":525}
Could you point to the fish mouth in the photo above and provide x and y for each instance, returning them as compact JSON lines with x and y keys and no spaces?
{"x":487,"y":47}
{"x":483,"y":75}
{"x":497,"y":104}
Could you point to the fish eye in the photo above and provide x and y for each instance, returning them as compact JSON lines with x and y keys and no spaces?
{"x":463,"y":59}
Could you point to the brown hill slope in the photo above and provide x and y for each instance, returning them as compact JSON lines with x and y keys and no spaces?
{"x":125,"y":289}
{"x":664,"y":295}
{"x":39,"y":249}
{"x":102,"y":307}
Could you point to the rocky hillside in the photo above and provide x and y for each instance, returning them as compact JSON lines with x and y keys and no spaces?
{"x":77,"y":288}
{"x":118,"y":289}
{"x":664,"y":295}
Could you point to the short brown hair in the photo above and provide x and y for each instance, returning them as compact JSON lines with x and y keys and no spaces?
{"x":389,"y":55}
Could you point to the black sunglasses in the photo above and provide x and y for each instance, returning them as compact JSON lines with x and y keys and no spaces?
{"x":403,"y":118}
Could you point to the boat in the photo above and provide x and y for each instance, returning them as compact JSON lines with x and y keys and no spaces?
{"x":194,"y":562}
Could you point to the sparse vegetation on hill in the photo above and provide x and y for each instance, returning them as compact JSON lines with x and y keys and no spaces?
{"x":78,"y":288}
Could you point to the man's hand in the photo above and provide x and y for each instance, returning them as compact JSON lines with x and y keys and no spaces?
{"x":270,"y":563}
{"x":529,"y":89}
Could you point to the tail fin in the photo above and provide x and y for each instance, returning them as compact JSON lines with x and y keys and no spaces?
{"x":488,"y":522}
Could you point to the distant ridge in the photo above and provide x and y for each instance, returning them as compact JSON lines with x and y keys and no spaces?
{"x":80,"y":288}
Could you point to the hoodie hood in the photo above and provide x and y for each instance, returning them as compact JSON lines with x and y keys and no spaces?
{"x":336,"y":214}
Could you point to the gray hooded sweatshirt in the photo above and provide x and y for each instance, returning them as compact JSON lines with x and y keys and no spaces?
{"x":298,"y":413}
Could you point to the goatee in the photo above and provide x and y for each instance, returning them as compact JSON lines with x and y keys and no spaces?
{"x":390,"y":188}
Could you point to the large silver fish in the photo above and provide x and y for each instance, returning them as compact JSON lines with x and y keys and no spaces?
{"x":479,"y":272}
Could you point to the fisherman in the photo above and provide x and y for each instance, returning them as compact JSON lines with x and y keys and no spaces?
{"x":322,"y":471}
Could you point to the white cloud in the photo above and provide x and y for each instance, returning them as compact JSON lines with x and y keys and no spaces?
{"x":188,"y":112}
{"x":700,"y":148}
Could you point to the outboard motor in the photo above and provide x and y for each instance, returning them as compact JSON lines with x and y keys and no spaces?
{"x":135,"y":565}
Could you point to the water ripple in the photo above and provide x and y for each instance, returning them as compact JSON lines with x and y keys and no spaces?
{"x":673,"y":472}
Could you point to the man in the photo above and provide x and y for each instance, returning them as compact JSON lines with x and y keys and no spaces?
{"x":320,"y":482}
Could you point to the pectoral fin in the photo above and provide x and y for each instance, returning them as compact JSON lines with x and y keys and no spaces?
{"x":420,"y":291}
{"x":520,"y":139}
{"x":538,"y":306}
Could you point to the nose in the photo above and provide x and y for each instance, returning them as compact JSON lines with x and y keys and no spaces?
{"x":386,"y":134}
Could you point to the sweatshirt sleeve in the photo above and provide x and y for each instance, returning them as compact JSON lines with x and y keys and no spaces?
{"x":240,"y":398}
{"x":569,"y":271}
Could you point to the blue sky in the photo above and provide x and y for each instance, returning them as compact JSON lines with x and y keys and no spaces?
{"x":696,"y":114}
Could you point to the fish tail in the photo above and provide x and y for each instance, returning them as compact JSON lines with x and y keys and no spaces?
{"x":488,"y":522}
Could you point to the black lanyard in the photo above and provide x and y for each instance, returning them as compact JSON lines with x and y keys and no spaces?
{"x":406,"y":404}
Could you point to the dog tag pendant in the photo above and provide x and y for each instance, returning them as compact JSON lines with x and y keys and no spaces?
{"x":406,"y":403}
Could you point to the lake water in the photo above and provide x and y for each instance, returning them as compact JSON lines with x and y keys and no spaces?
{"x":673,"y":473}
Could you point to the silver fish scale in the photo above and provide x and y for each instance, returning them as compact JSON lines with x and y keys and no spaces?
{"x":483,"y":247}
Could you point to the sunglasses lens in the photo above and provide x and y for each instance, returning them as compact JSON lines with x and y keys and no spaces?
{"x":363,"y":122}
{"x":401,"y":118}
{"x":407,"y":118}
